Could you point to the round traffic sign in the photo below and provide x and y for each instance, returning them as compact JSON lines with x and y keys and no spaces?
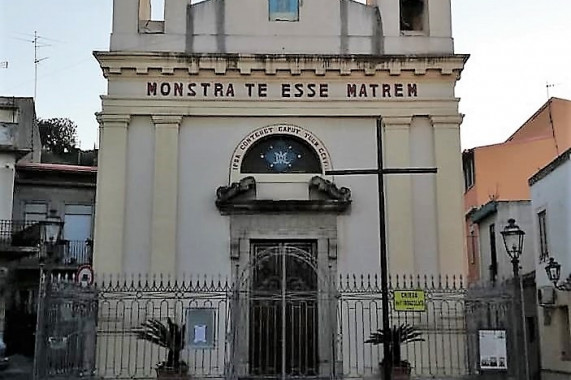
{"x":84,"y":275}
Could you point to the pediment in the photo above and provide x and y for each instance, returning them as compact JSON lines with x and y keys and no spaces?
{"x":322,"y":196}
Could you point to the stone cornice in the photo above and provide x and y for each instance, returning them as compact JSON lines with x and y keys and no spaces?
{"x":120,"y":120}
{"x":447,"y":119}
{"x":167,"y":119}
{"x":394,"y":121}
{"x":168,"y":64}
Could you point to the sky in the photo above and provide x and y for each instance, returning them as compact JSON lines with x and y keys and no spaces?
{"x":517,"y":47}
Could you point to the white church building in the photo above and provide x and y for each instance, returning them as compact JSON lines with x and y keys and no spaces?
{"x":227,"y":126}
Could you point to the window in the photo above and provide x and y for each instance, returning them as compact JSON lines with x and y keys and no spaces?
{"x":493,"y":254}
{"x":77,"y":230}
{"x":472,"y":247}
{"x":468,"y":167}
{"x":542,"y":223}
{"x":412,"y":15}
{"x":564,"y":336}
{"x":34,"y":212}
{"x":281,"y":154}
{"x":530,"y":322}
{"x":284,"y":10}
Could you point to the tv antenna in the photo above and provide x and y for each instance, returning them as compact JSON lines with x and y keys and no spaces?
{"x":548,"y":86}
{"x":36,"y":62}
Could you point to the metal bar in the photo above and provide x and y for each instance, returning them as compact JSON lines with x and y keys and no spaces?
{"x":409,"y":170}
{"x":284,"y":311}
{"x":382,"y":171}
{"x":39,"y":346}
{"x":387,"y":368}
{"x":523,"y":327}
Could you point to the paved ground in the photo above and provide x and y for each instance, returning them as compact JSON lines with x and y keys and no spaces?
{"x":19,"y":368}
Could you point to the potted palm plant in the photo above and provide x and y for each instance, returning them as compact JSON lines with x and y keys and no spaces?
{"x":170,"y":336}
{"x":397,"y":336}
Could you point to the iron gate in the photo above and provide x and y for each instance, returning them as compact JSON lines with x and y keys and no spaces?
{"x":264,"y":326}
{"x":284,"y":305}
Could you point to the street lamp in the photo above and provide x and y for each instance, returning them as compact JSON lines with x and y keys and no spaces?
{"x":50,"y":231}
{"x":513,"y":241}
{"x":553,"y":269}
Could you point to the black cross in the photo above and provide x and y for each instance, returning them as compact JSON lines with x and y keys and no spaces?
{"x":380,"y":171}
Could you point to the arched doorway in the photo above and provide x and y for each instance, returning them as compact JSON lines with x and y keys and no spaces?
{"x":286,"y":311}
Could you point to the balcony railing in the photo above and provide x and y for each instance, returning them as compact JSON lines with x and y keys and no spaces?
{"x":16,"y":234}
{"x":76,"y":252}
{"x":19,"y":233}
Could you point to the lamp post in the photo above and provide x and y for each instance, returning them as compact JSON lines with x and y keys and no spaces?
{"x":50,"y":231}
{"x":513,"y":241}
{"x":553,"y":269}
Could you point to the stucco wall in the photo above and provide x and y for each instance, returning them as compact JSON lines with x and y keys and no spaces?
{"x":6,"y":185}
{"x":205,"y":146}
{"x":324,"y":27}
{"x":502,"y":170}
{"x":551,"y":194}
{"x":521,"y":212}
{"x":549,"y":121}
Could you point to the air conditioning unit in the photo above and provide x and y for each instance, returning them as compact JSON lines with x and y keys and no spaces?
{"x":546,"y":295}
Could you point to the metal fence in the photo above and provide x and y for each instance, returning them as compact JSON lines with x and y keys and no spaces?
{"x":94,"y":331}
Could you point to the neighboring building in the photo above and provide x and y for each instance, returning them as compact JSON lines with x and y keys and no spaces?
{"x":490,"y":220}
{"x":220,"y":129}
{"x":42,"y":190}
{"x":551,"y":212}
{"x":19,"y":140}
{"x":500,"y":172}
{"x":496,"y":266}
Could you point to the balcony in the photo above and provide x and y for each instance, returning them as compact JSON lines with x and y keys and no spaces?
{"x":18,"y":239}
{"x":22,"y":240}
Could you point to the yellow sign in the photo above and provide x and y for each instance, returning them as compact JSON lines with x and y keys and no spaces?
{"x":409,"y":300}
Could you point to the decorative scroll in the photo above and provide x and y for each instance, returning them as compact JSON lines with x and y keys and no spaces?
{"x":330,"y":189}
{"x":226,"y":193}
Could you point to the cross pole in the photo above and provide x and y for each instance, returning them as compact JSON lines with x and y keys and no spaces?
{"x":380,"y":172}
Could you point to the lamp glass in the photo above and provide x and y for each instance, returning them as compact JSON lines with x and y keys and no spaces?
{"x":52,"y":226}
{"x":513,"y":239}
{"x":553,"y":270}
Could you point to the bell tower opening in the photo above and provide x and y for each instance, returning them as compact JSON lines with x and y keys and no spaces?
{"x":151,"y":16}
{"x":412,"y":15}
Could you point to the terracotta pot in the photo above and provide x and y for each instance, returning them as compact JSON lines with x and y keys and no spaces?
{"x":399,"y":372}
{"x":172,"y":374}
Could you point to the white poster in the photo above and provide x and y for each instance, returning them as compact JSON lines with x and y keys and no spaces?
{"x":493,"y":353}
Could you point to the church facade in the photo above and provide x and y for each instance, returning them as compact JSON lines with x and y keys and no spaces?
{"x":226,"y":129}
{"x":222,"y":120}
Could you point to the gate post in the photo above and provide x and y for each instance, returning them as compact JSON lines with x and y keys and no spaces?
{"x":39,"y":366}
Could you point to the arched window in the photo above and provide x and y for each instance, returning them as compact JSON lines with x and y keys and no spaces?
{"x":280,"y":154}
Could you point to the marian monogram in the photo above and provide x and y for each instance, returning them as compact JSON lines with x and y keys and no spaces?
{"x":280,"y":157}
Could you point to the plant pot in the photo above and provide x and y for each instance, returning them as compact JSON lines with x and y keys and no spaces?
{"x":399,"y":372}
{"x":173,"y":373}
